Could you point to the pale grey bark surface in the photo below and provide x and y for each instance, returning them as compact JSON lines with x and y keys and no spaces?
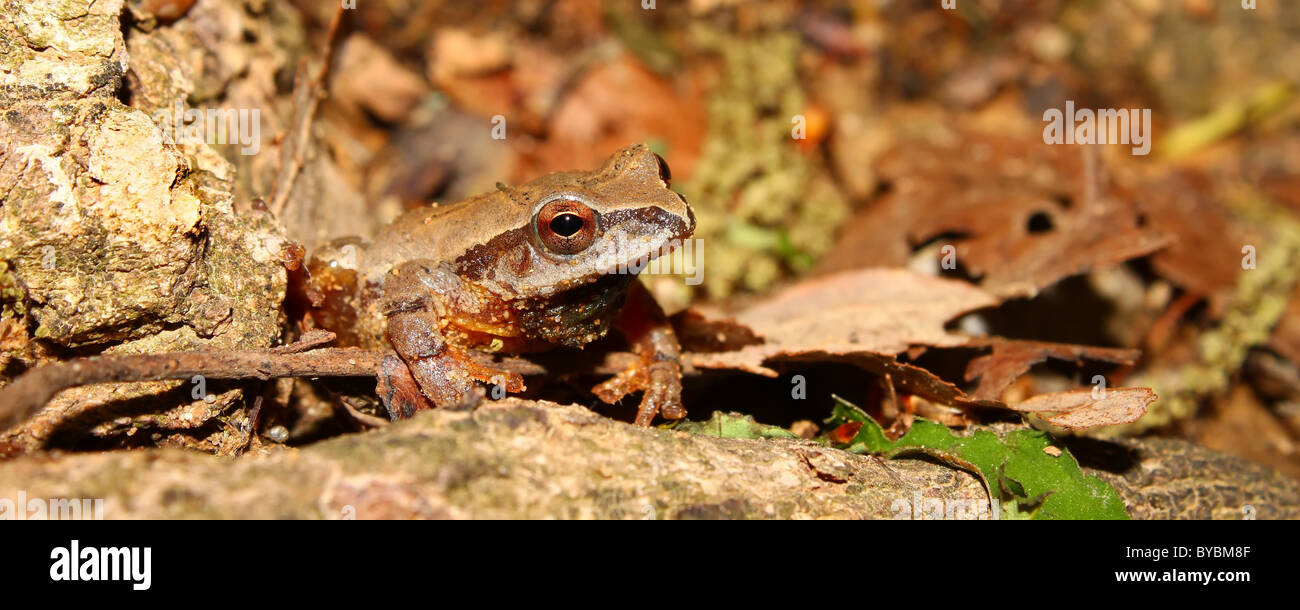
{"x":521,"y":459}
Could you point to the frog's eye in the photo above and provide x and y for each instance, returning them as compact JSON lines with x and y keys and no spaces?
{"x":566,"y":226}
{"x":665,"y":174}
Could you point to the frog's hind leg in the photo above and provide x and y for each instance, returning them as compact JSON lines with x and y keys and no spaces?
{"x":429,"y":361}
{"x":442,"y":372}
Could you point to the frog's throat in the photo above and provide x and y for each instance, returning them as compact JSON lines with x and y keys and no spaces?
{"x":576,"y":317}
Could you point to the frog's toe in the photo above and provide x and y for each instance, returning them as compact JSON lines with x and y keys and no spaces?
{"x":615,"y":388}
{"x":663,"y":394}
{"x":507,"y":380}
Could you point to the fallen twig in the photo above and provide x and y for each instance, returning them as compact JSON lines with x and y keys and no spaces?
{"x":307,"y":96}
{"x":359,"y":417}
{"x":27,"y":394}
{"x":305,"y":358}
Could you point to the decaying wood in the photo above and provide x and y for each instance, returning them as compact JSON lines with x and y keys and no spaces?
{"x":523,"y":459}
{"x":507,"y":459}
{"x":121,"y":231}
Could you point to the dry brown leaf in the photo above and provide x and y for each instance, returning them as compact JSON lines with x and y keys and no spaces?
{"x":700,"y":330}
{"x":617,"y":102}
{"x":906,"y":377}
{"x":1205,"y":257}
{"x":1011,"y":359}
{"x":872,"y":311}
{"x":1020,"y":213}
{"x":367,"y":76}
{"x":460,"y":52}
{"x":1080,"y":410}
{"x":492,"y":74}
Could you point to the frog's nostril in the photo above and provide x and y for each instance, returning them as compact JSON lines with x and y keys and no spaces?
{"x":566,"y":225}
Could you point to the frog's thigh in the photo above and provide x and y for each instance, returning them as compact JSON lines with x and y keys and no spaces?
{"x":412,"y":300}
{"x":416,"y":334}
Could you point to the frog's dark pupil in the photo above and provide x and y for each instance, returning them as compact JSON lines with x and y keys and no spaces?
{"x":566,"y":225}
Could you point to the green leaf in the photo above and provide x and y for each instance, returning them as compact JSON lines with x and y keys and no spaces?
{"x":1018,"y":468}
{"x":734,"y":425}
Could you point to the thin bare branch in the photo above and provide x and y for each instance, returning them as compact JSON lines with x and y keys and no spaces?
{"x":308,"y":93}
{"x":27,"y":394}
{"x":31,"y":391}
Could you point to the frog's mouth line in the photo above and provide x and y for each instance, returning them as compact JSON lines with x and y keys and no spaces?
{"x":633,"y":265}
{"x":594,"y":299}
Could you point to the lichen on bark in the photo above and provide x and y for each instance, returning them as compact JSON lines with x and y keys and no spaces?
{"x":113,"y":238}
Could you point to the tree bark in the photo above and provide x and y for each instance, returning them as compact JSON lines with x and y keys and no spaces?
{"x":522,"y":459}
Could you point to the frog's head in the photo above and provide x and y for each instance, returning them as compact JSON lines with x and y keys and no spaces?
{"x":585,"y":228}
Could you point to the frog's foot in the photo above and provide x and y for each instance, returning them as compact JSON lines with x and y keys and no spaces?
{"x":660,"y":379}
{"x":510,"y":382}
{"x":398,"y":389}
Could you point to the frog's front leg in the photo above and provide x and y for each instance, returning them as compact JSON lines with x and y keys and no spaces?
{"x":658,"y":370}
{"x":417,"y":298}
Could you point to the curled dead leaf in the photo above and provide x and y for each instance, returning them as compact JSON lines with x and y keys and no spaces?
{"x":1081,"y":409}
{"x":871,"y":311}
{"x":1011,"y":359}
{"x":1021,"y":215}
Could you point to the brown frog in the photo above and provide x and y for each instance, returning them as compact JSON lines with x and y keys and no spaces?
{"x":549,"y":263}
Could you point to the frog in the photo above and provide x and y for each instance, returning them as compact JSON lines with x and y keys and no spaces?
{"x":547,"y":264}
